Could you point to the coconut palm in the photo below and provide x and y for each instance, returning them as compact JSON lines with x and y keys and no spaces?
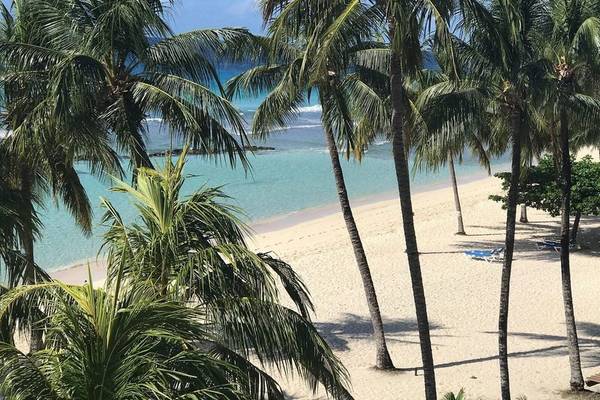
{"x":573,"y":45}
{"x":343,"y":97}
{"x":405,"y":20}
{"x":502,"y":53}
{"x":115,"y":345}
{"x":118,"y":62}
{"x":193,"y":250}
{"x":445,"y":130}
{"x":40,"y":152}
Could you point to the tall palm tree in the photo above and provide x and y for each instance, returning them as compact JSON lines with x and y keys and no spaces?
{"x":290,"y":75}
{"x":405,"y":20}
{"x":118,"y":62}
{"x":193,"y":250}
{"x":573,"y":45}
{"x":445,"y":129}
{"x":502,"y":53}
{"x":124,"y":345}
{"x":40,"y":152}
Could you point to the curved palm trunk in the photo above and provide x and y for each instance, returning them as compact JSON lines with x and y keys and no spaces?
{"x":383,"y":359}
{"x":402,"y":175}
{"x":511,"y":216}
{"x":460,"y":227}
{"x":36,"y":341}
{"x":577,"y":383}
{"x":524,"y":218}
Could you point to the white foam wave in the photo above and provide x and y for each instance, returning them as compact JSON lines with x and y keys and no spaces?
{"x":381,"y":142}
{"x":287,"y":128}
{"x":311,"y":109}
{"x":154,"y":120}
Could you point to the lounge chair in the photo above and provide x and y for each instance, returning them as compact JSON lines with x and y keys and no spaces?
{"x":494,"y":255}
{"x":554,"y":245}
{"x":593,"y":380}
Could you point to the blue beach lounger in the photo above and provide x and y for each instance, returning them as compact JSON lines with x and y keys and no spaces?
{"x":486,"y":255}
{"x":554,"y":245}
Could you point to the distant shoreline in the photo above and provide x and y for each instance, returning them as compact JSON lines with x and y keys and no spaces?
{"x":288,"y":220}
{"x":76,"y":272}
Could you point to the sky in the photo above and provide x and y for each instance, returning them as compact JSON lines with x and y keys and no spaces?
{"x":193,"y":14}
{"x":187,"y":15}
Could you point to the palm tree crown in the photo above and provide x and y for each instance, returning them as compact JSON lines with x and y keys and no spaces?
{"x":193,"y":250}
{"x":117,"y":62}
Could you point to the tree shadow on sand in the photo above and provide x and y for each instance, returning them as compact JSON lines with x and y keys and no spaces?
{"x":355,"y":327}
{"x":526,"y":248}
{"x":589,"y":343}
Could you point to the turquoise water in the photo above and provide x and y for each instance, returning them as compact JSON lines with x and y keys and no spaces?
{"x":294,"y":177}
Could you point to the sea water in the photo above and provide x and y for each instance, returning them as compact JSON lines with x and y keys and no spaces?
{"x":295,"y":176}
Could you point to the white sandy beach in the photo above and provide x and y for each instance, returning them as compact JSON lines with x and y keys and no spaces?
{"x":462,"y":296}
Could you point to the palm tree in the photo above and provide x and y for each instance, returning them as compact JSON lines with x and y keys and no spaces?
{"x":118,"y":62}
{"x":115,"y":345}
{"x":406,"y":20}
{"x":40,"y":152}
{"x":572,"y":47}
{"x":342,"y":95}
{"x":502,"y":53}
{"x":193,"y":250}
{"x":445,"y":129}
{"x":524,"y":219}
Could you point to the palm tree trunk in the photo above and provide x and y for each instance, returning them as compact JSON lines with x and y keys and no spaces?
{"x":511,"y":216}
{"x":36,"y":340}
{"x":402,"y":175}
{"x":27,"y":233}
{"x":575,"y":228}
{"x":577,"y":383}
{"x":524,"y":218}
{"x":460,"y":227}
{"x":383,"y":359}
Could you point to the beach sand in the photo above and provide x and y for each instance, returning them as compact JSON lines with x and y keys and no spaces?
{"x":462,"y":296}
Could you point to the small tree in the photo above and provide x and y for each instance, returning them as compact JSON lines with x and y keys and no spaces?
{"x":541,"y":189}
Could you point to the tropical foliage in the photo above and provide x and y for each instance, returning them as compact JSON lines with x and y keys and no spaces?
{"x":541,"y":190}
{"x":349,"y":105}
{"x":115,"y":63}
{"x":193,"y":251}
{"x":78,"y":78}
{"x":115,"y":346}
{"x":189,"y":311}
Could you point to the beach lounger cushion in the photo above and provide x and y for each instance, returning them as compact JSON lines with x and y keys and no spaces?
{"x":554,"y":245}
{"x":486,"y":255}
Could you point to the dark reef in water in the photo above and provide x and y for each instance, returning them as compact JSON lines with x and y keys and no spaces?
{"x":200,"y":152}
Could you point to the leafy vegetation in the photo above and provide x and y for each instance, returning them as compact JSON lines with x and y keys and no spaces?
{"x":189,"y":311}
{"x":541,"y":189}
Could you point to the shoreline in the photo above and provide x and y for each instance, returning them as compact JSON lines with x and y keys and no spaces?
{"x":462,"y":294}
{"x":289,"y":220}
{"x":76,"y":272}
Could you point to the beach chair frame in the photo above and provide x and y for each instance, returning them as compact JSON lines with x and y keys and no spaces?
{"x":490,"y":256}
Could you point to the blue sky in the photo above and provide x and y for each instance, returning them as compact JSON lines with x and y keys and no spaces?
{"x":193,"y":14}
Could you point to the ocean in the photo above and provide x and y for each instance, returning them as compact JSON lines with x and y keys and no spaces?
{"x":295,"y":176}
